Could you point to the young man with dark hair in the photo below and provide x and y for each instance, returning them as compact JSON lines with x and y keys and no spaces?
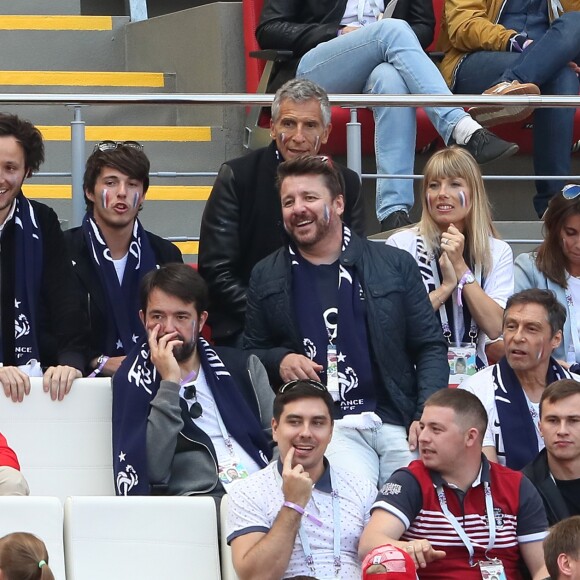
{"x":184,"y":414}
{"x":562,"y":550}
{"x":511,"y":390}
{"x":42,"y":324}
{"x":111,"y":251}
{"x":556,"y":470}
{"x":335,"y":307}
{"x":458,"y":515}
{"x":242,"y":222}
{"x":299,"y":517}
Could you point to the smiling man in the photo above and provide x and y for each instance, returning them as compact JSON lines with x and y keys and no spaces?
{"x":511,"y":390}
{"x":186,"y":415}
{"x":242,"y":222}
{"x":111,"y":251}
{"x":458,"y":515}
{"x":556,"y":470}
{"x":335,"y":307}
{"x":42,"y":328}
{"x":300,"y":516}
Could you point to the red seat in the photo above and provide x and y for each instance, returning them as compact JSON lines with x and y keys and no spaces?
{"x":340,"y":116}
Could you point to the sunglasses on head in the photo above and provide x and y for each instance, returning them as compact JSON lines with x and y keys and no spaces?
{"x":310,"y":382}
{"x":571,"y":191}
{"x":111,"y":145}
{"x":195,"y":411}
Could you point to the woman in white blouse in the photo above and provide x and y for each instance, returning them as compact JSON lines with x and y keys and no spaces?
{"x":555,"y":266}
{"x":466,"y":269}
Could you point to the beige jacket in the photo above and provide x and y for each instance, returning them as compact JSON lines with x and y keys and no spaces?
{"x":471,"y":25}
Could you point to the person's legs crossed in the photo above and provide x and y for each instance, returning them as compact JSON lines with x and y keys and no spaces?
{"x":353,"y":450}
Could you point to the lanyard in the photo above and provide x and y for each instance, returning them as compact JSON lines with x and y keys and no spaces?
{"x":573,"y":324}
{"x":473,"y":330}
{"x":457,"y":526}
{"x":335,"y":532}
{"x":335,"y":537}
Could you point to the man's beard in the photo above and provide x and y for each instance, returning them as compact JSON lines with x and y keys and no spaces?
{"x":183,"y":352}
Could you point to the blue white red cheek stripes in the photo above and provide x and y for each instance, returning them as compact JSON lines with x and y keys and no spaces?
{"x":105,"y":198}
{"x":462,"y":199}
{"x":135,"y":199}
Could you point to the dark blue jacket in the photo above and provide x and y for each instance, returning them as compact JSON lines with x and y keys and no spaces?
{"x":407,"y":346}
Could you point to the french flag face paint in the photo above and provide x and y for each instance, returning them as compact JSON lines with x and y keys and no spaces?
{"x":105,"y":198}
{"x":135,"y":199}
{"x":462,"y":199}
{"x":317,"y":143}
{"x":283,"y":138}
{"x":326,"y":214}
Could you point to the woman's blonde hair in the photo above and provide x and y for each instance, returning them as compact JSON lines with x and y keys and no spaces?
{"x":457,"y":162}
{"x":23,"y":556}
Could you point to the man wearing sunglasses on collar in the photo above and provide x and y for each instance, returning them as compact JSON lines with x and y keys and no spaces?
{"x":186,"y":415}
{"x":299,"y":517}
{"x":111,"y":251}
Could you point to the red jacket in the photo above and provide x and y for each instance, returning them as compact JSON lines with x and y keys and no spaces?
{"x":7,"y":456}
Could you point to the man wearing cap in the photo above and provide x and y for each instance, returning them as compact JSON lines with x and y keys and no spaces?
{"x":111,"y":251}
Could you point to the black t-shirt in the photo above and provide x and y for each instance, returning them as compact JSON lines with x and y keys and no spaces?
{"x":570,"y":490}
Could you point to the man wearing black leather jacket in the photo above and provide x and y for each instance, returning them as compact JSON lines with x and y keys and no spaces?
{"x":242,"y":220}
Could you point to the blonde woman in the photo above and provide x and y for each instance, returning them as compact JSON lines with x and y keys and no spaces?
{"x":466,"y":269}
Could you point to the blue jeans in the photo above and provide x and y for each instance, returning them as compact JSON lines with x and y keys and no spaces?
{"x":385,"y":58}
{"x":544,"y":63}
{"x":370,"y":453}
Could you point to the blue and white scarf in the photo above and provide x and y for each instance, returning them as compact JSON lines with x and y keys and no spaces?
{"x":28,"y":273}
{"x":355,"y":373}
{"x":517,"y":426}
{"x":135,"y":385}
{"x":124,"y":326}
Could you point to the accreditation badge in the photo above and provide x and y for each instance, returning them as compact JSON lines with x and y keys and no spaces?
{"x":231,"y":470}
{"x":492,"y":570}
{"x":462,"y":362}
{"x":332,"y":372}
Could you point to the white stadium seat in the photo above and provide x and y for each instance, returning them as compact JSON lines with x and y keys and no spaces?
{"x":41,"y":516}
{"x":228,"y":571}
{"x":144,"y":538}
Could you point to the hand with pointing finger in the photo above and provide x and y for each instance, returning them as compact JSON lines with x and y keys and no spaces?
{"x":297,"y":484}
{"x":423,"y":552}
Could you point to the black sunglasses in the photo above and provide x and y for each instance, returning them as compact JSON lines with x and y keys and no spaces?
{"x":195,"y":411}
{"x":111,"y":145}
{"x":310,"y":382}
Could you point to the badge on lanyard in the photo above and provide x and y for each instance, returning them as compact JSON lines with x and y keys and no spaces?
{"x":332,"y":372}
{"x":230,"y":470}
{"x":462,"y":363}
{"x":492,"y":570}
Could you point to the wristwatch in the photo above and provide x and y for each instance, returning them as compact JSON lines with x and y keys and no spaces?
{"x":467,"y":278}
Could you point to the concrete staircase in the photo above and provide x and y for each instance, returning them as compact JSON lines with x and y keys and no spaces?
{"x":48,"y":47}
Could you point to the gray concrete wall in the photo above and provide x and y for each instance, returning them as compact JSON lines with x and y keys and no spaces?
{"x":204,"y":47}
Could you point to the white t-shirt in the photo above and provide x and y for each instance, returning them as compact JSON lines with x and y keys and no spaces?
{"x":498,"y":283}
{"x":120,"y":267}
{"x":209,"y":424}
{"x":254,"y":503}
{"x":371,"y":9}
{"x":574,"y":289}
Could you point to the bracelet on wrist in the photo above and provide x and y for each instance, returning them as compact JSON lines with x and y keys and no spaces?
{"x":302,"y":512}
{"x":101,"y":362}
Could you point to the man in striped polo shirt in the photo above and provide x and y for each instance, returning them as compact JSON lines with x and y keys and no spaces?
{"x":458,"y":515}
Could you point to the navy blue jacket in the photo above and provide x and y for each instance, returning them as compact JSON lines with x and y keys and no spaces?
{"x":408,"y":349}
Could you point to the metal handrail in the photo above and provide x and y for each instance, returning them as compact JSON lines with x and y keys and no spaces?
{"x":354,"y":156}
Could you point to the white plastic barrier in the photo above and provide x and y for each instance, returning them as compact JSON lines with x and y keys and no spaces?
{"x":228,"y":570}
{"x":145,"y":538}
{"x":41,"y":516}
{"x":64,"y":447}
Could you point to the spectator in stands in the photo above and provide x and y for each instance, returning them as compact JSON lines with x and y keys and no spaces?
{"x":373,"y":337}
{"x":345,"y":48}
{"x":457,"y":514}
{"x":23,"y":556}
{"x":242,"y":220}
{"x":300,"y":516}
{"x":111,"y":251}
{"x":513,"y":48}
{"x":511,"y":389}
{"x":42,"y":324}
{"x":555,"y":266}
{"x":556,"y":470}
{"x":183,"y":413}
{"x":562,"y":550}
{"x":12,"y":482}
{"x":466,"y":269}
